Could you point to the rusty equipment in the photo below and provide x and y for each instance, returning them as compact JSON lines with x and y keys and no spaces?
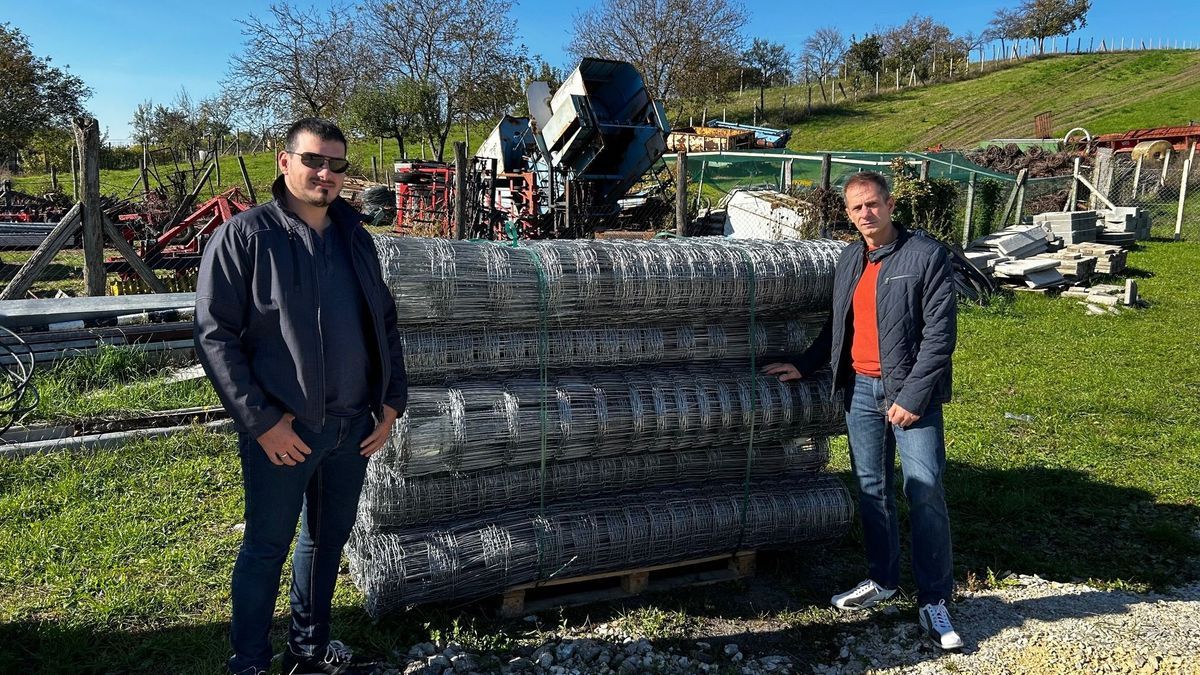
{"x":179,"y":247}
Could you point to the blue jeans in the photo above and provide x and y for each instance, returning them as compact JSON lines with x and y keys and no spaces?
{"x":873,"y":445}
{"x":322,"y":492}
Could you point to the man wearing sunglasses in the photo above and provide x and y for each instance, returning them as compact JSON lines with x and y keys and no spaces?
{"x":297,"y":331}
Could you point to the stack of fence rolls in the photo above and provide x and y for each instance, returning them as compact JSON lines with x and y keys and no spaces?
{"x":586,"y":406}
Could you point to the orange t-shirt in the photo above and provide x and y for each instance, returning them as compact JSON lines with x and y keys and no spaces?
{"x":864,"y":345}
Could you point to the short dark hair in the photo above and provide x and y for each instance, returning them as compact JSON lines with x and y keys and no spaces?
{"x":869,"y":178}
{"x":322,"y":129}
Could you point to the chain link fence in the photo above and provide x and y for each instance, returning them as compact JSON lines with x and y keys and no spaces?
{"x":1165,"y":185}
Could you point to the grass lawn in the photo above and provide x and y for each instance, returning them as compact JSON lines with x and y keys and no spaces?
{"x":1101,"y":92}
{"x":1074,"y":452}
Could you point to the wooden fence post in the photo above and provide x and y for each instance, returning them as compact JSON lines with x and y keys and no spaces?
{"x":681,"y":181}
{"x":1074,"y":196}
{"x":217,"y":163}
{"x":460,"y":190}
{"x":970,"y":216}
{"x":87,"y":135}
{"x":1183,"y":185}
{"x":1137,"y":177}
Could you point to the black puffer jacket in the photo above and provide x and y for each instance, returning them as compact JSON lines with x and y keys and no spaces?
{"x":258,"y":317}
{"x":917,"y":314}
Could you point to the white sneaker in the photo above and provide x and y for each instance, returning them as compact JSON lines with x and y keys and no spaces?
{"x":935,"y":621}
{"x":866,"y":594}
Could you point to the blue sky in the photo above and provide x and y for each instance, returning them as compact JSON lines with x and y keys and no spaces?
{"x":130,"y":51}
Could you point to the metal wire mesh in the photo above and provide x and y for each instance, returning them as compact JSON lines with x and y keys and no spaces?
{"x":442,"y":355}
{"x":391,"y":500}
{"x":450,"y":282}
{"x":473,"y":559}
{"x":476,"y":425}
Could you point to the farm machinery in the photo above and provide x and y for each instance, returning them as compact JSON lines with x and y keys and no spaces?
{"x":573,"y":166}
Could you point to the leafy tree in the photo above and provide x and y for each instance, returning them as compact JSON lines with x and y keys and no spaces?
{"x":35,"y":97}
{"x":391,"y":109}
{"x":913,"y":45}
{"x":865,"y":58}
{"x":297,"y":62}
{"x":770,"y":60}
{"x":683,"y":48}
{"x":1041,"y":19}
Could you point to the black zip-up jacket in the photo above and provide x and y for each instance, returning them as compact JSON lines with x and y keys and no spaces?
{"x":916,"y":309}
{"x":258,"y":328}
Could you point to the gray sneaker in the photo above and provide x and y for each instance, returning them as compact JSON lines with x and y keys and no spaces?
{"x":935,"y":621}
{"x":866,"y":594}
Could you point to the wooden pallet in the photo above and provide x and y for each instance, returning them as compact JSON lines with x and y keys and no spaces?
{"x":571,"y":591}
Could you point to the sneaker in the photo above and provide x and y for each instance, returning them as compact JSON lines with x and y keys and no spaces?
{"x":337,"y":660}
{"x":935,"y":621}
{"x":866,"y":594}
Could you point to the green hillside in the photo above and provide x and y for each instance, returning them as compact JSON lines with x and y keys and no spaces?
{"x":1100,"y":92}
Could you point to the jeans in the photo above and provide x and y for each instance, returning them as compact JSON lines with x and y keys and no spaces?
{"x":873,"y":445}
{"x":322,"y":492}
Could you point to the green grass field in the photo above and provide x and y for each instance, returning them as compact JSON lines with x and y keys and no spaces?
{"x":1101,"y":92}
{"x":1074,"y":452}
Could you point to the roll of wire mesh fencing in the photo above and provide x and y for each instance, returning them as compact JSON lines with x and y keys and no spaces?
{"x":484,"y":424}
{"x":393,"y":501}
{"x":436,"y":355}
{"x":476,"y":558}
{"x":446,"y":282}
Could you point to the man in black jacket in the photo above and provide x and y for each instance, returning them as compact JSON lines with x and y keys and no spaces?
{"x":297,"y":331}
{"x":889,"y":339}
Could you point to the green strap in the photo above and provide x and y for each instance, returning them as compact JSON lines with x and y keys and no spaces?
{"x":752,"y":284}
{"x":543,"y":359}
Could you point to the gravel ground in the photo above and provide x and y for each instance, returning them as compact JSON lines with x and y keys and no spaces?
{"x":1027,"y":625}
{"x":1038,"y":626}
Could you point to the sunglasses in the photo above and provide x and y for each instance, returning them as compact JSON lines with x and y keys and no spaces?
{"x":315,"y":161}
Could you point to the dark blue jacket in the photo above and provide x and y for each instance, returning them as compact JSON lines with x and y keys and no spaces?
{"x":258,"y":328}
{"x":916,"y":309}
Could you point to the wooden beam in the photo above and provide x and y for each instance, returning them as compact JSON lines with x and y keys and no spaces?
{"x":246,"y":178}
{"x":50,"y":246}
{"x":87,"y":136}
{"x":1012,"y":197}
{"x":1183,"y":186}
{"x":1095,"y":193}
{"x":135,"y":261}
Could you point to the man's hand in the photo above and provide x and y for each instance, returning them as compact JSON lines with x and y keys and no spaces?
{"x":786,"y":371}
{"x":901,"y":417}
{"x":281,"y":443}
{"x":371,"y":444}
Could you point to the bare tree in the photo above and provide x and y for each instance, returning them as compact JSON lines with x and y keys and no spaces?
{"x":1005,"y":25}
{"x":823,"y":53}
{"x":682,"y":48}
{"x":770,"y":61}
{"x":452,"y":45}
{"x":297,"y":62}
